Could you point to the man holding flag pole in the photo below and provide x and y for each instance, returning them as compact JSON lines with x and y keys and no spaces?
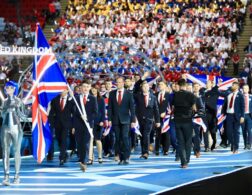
{"x":88,"y":105}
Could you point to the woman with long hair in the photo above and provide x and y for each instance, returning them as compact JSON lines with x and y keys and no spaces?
{"x":98,"y":126}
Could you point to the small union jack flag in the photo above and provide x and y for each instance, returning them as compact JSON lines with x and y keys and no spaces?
{"x":199,"y":121}
{"x":136,"y":128}
{"x":166,"y":120}
{"x":107,"y":127}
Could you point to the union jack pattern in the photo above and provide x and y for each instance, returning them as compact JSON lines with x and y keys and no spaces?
{"x":166,"y":121}
{"x":48,"y":82}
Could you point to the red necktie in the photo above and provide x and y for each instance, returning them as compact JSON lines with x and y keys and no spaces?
{"x":119,"y":97}
{"x":246,"y":103}
{"x":85,"y":100}
{"x":145,"y":100}
{"x":161,"y":98}
{"x":61,"y":104}
{"x":231,"y":101}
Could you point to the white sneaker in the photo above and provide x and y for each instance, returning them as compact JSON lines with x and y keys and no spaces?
{"x":16,"y":179}
{"x":6,"y":180}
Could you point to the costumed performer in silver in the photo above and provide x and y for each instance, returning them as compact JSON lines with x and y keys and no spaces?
{"x":11,"y":131}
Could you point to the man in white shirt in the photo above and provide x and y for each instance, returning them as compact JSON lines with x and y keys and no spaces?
{"x":234,"y":109}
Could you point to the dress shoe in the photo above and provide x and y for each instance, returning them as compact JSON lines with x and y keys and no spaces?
{"x":184,"y":166}
{"x":6,"y":180}
{"x":223,"y":145}
{"x":61,"y":162}
{"x":197,"y":154}
{"x":83,"y":167}
{"x":90,"y":162}
{"x":16,"y":179}
{"x":120,"y":163}
{"x":100,"y":160}
{"x":49,"y":158}
{"x":145,"y":156}
{"x":65,"y":159}
{"x":213,"y":147}
{"x":107,"y":155}
{"x":157,"y":153}
{"x":125,"y":162}
{"x":72,"y":153}
{"x":235,"y":152}
{"x":165,"y":153}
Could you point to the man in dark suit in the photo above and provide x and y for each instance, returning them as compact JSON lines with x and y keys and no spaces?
{"x":60,"y":117}
{"x":132,"y":136}
{"x":72,"y":141}
{"x":87,"y":103}
{"x":200,"y":111}
{"x":247,"y":125}
{"x":210,"y":96}
{"x":163,"y":104}
{"x":234,"y":107}
{"x":121,"y":113}
{"x":147,"y":112}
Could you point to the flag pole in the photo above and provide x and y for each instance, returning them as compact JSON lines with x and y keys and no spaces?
{"x":82,"y":113}
{"x":1,"y":96}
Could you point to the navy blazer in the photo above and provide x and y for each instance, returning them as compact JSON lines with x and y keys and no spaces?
{"x":250,"y":105}
{"x":150,"y":112}
{"x":101,"y":111}
{"x":239,"y":106}
{"x":91,"y":108}
{"x":199,"y":103}
{"x":57,"y":117}
{"x":123,"y":113}
{"x":210,"y":98}
{"x":165,"y":103}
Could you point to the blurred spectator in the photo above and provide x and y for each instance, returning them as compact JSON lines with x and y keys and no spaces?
{"x":236,"y":60}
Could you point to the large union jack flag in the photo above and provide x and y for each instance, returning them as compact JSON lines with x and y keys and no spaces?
{"x":226,"y":82}
{"x":48,"y":82}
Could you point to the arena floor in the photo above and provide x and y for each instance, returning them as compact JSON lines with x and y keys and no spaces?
{"x":140,"y":177}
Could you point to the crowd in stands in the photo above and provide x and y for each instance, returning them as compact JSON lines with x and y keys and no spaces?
{"x":12,"y":34}
{"x":178,"y":36}
{"x":248,"y":57}
{"x":46,"y":15}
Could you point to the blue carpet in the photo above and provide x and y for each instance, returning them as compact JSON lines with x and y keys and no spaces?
{"x":139,"y":177}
